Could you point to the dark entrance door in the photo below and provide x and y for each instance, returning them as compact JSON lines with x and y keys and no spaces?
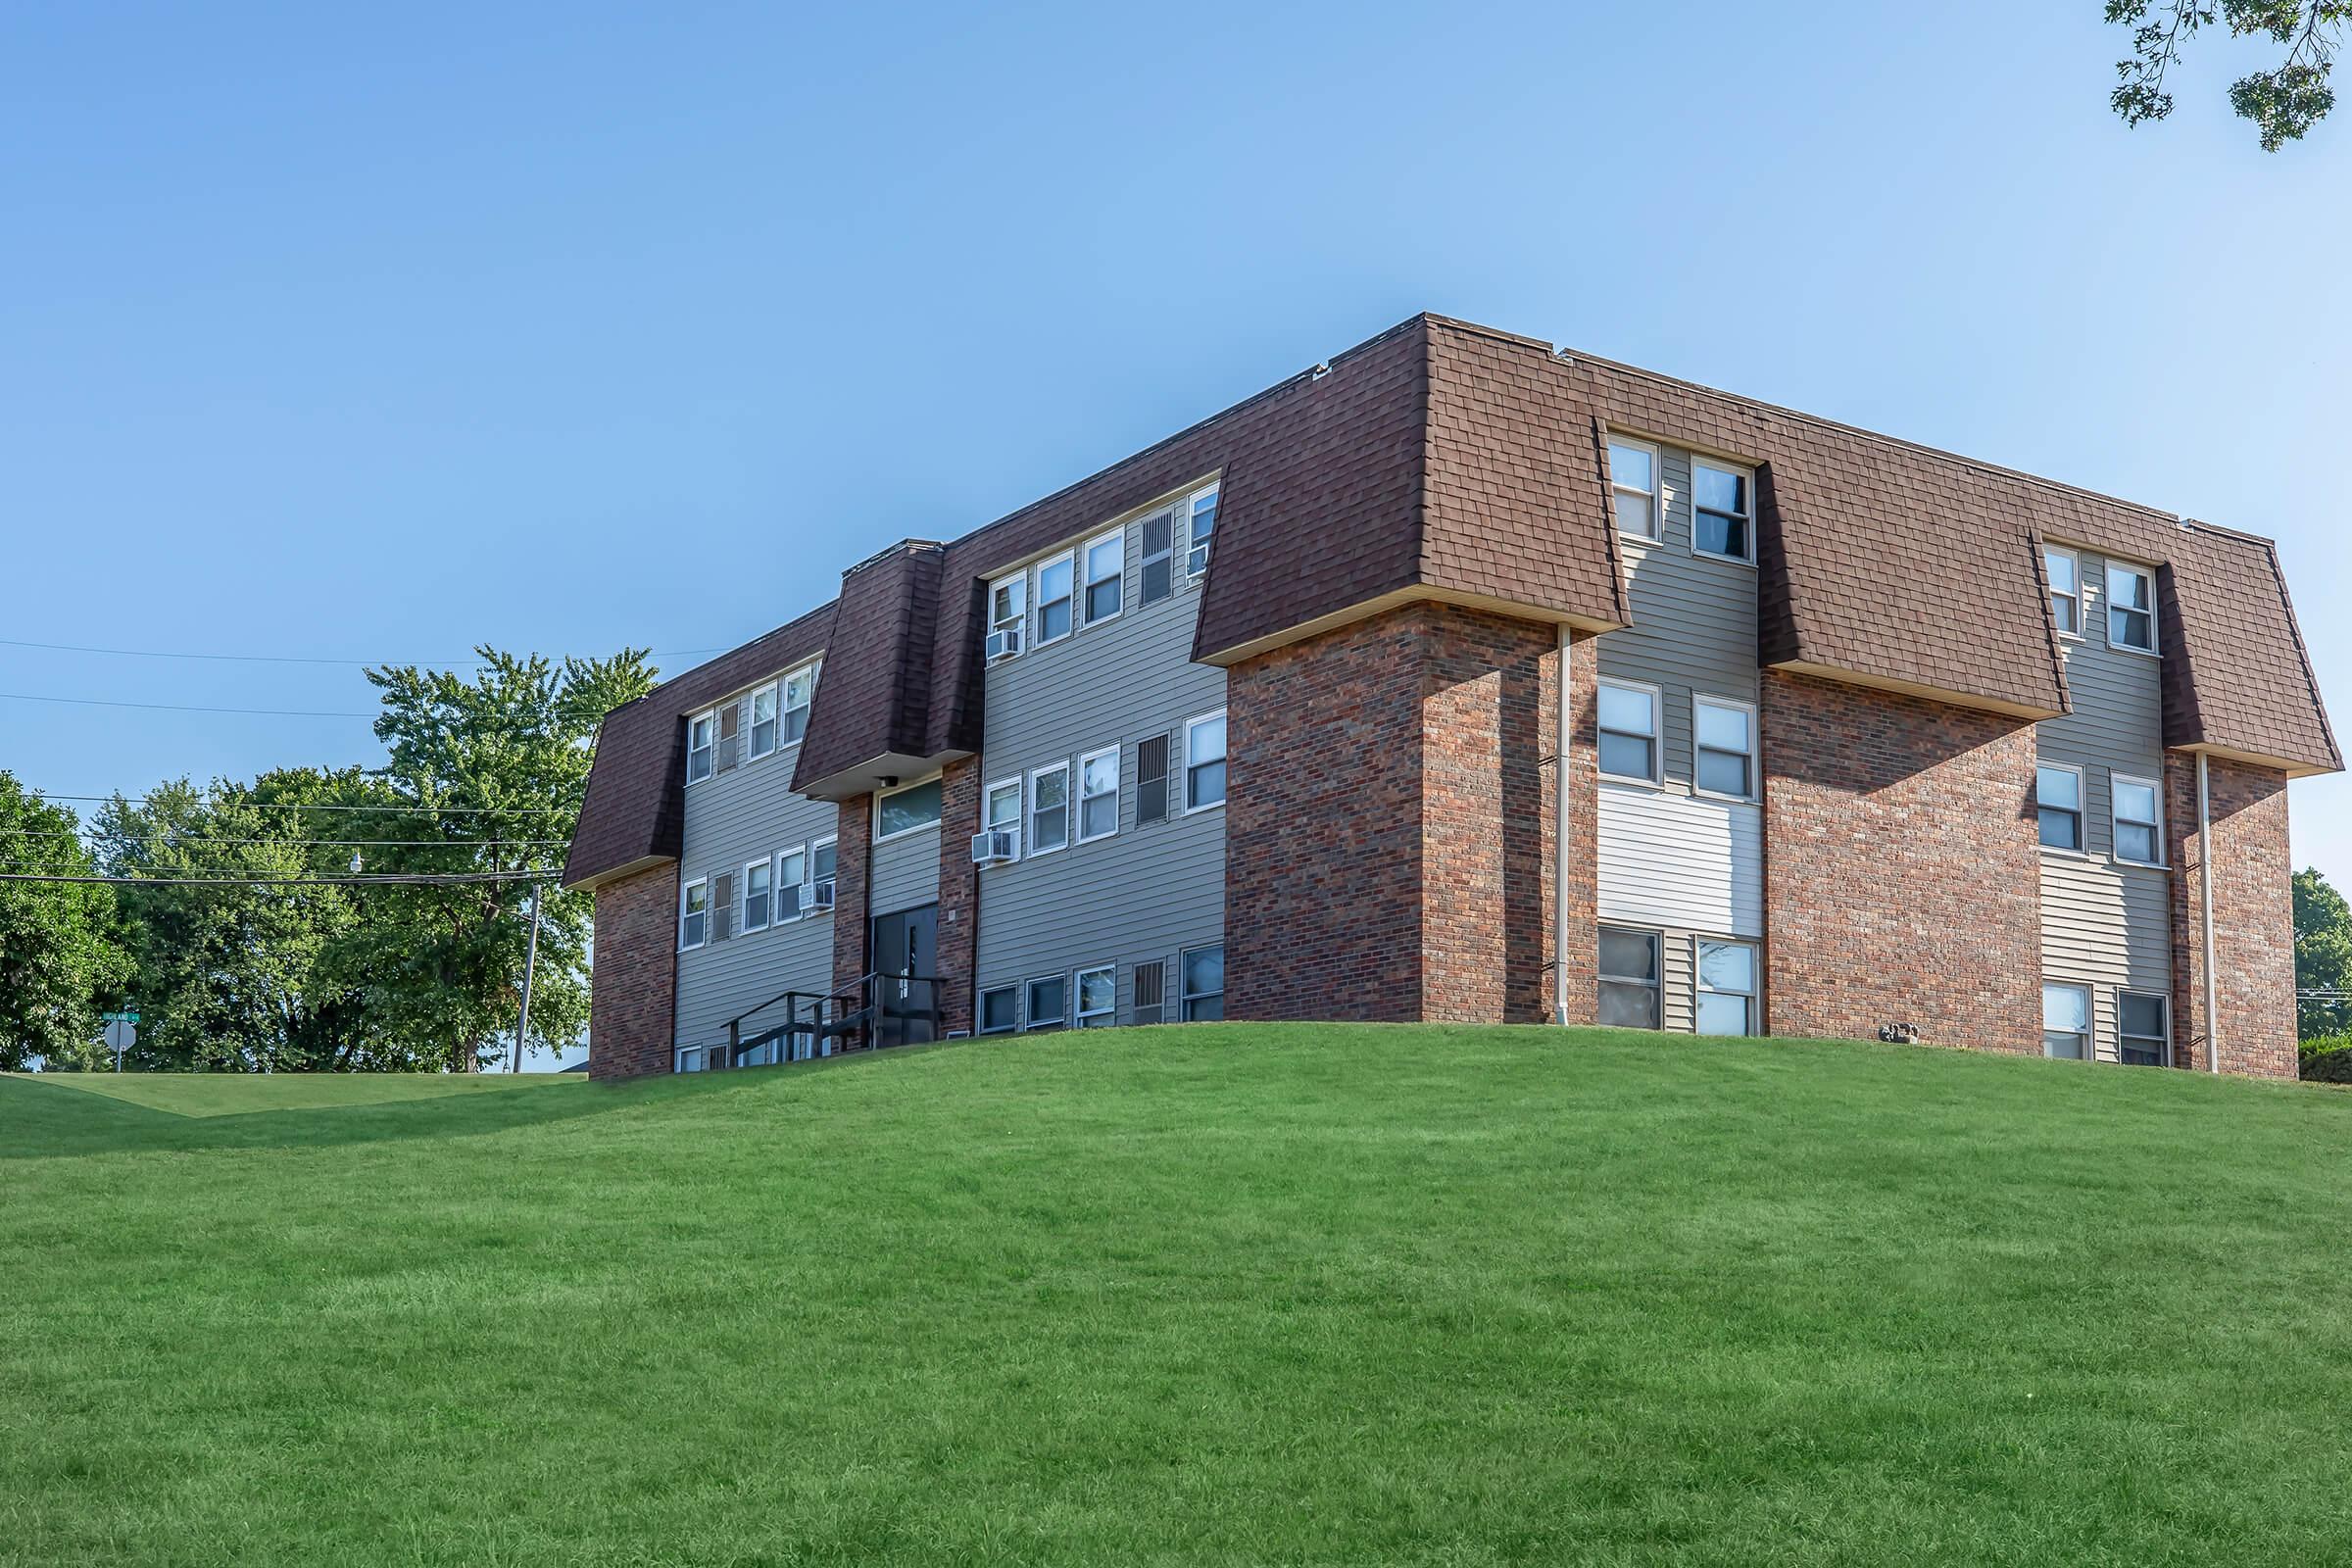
{"x":905,"y":971}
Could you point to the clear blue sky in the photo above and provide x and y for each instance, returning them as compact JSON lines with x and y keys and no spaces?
{"x":377,"y":336}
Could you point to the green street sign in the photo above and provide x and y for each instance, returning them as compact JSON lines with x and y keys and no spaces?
{"x":120,"y":1017}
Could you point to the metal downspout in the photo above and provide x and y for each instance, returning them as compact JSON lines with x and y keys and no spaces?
{"x":2212,"y":1023}
{"x":1560,"y":810}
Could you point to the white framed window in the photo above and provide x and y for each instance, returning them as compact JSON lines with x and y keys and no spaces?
{"x":1725,"y":734}
{"x":2139,"y":821}
{"x":701,"y":732}
{"x":1106,"y":576}
{"x":2065,"y":571}
{"x":899,"y":812}
{"x":1053,"y":599}
{"x":1727,"y":988}
{"x":1628,"y":979}
{"x":1204,"y":973}
{"x":1000,"y":1010}
{"x":2143,"y":1028}
{"x":2058,"y":804}
{"x":2066,"y":1021}
{"x":763,"y":721}
{"x":1007,"y":614}
{"x":800,"y":690}
{"x":1634,"y":486}
{"x":694,"y":914}
{"x":1629,"y":731}
{"x":2131,"y":608}
{"x":1723,"y":510}
{"x":1098,"y":795}
{"x":1204,"y":761}
{"x":792,"y":883}
{"x":1158,"y":579}
{"x":759,"y":884}
{"x":1201,"y":514}
{"x":1098,"y":996}
{"x":822,"y":858}
{"x":1049,"y":1003}
{"x":1001,"y":806}
{"x":1049,"y":809}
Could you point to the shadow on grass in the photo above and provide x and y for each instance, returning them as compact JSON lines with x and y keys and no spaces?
{"x":39,"y":1120}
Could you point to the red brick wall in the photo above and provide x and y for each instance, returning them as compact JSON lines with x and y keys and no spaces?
{"x":1902,"y":878}
{"x":633,"y":986}
{"x":849,"y":922}
{"x":959,"y":891}
{"x":1388,"y":823}
{"x":2253,"y":917}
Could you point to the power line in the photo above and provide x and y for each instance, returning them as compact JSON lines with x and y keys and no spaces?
{"x":301,"y":659}
{"x":311,"y":806}
{"x":324,"y":844}
{"x":189,"y":708}
{"x":407,"y":878}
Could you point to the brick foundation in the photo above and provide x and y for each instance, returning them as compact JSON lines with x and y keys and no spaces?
{"x":1388,"y":834}
{"x":1903,"y":877}
{"x":2253,"y":917}
{"x":633,"y":988}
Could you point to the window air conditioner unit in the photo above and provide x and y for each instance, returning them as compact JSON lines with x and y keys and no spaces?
{"x":820,"y":896}
{"x":996,"y":846}
{"x":1003,"y":644}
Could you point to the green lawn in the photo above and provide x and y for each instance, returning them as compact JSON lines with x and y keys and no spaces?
{"x":1228,"y":1294}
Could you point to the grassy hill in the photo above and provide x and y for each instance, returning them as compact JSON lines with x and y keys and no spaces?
{"x":1226,"y":1294}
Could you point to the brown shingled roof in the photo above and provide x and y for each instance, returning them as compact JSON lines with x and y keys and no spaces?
{"x":874,"y":700}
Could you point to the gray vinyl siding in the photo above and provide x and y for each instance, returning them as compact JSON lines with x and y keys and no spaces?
{"x":2105,"y":923}
{"x":1693,"y":621}
{"x":733,"y":817}
{"x":903,"y":873}
{"x":1147,"y":891}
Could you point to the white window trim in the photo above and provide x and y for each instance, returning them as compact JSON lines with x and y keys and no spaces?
{"x":709,"y":768}
{"x":1019,"y":621}
{"x":1655,"y":984}
{"x":2082,"y":810}
{"x":1020,"y":804}
{"x":980,"y":996}
{"x":1657,"y":741}
{"x":1184,"y":516}
{"x":1700,"y":461}
{"x":1185,"y":995}
{"x":1656,"y":493}
{"x":1076,"y":1004}
{"x":1037,"y":599}
{"x":1116,"y":536}
{"x":1029,"y":848}
{"x":1699,"y":977}
{"x":2074,"y":555}
{"x":832,"y":841}
{"x":684,"y":889}
{"x":784,"y":688}
{"x":1118,"y":791}
{"x":1755,"y":737}
{"x":743,"y":897}
{"x":2164,"y":1045}
{"x":2155,"y":648}
{"x":751,"y":730}
{"x":1218,"y":805}
{"x":2090,"y":1019}
{"x":775,"y":889}
{"x":1029,"y":1024}
{"x":880,"y":796}
{"x":2115,"y":821}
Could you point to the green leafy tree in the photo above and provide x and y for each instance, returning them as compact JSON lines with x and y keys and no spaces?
{"x":2322,"y":956}
{"x":491,"y":769}
{"x":2283,"y":102}
{"x":58,"y":961}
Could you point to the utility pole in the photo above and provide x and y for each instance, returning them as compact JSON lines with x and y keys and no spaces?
{"x":530,"y":961}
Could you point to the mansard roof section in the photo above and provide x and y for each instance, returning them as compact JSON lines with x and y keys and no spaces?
{"x":873,"y":707}
{"x":634,"y":812}
{"x":2237,"y":677}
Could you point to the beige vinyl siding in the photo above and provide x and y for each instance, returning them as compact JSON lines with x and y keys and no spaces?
{"x":1150,"y":890}
{"x":903,"y":872}
{"x":1678,"y":968}
{"x":2105,"y":924}
{"x":1670,"y":859}
{"x":734,"y":817}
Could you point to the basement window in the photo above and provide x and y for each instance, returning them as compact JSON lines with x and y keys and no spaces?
{"x":1628,"y":979}
{"x":1097,"y":998}
{"x":2058,"y":803}
{"x":2139,"y":830}
{"x":2145,"y":1030}
{"x":1151,"y":990}
{"x":1205,"y":984}
{"x":1049,"y":1003}
{"x":1727,"y":988}
{"x":700,"y":731}
{"x":1000,"y":1007}
{"x":1634,"y":487}
{"x":1723,"y":524}
{"x":2065,"y":571}
{"x":1629,"y":731}
{"x":2131,"y":608}
{"x":2066,"y":1021}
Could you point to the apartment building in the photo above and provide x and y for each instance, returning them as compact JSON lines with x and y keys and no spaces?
{"x":1463,"y":678}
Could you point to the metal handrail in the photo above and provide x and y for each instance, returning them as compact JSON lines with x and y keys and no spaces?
{"x":863,"y":996}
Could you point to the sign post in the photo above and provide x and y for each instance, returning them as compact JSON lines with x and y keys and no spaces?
{"x":121,"y":1033}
